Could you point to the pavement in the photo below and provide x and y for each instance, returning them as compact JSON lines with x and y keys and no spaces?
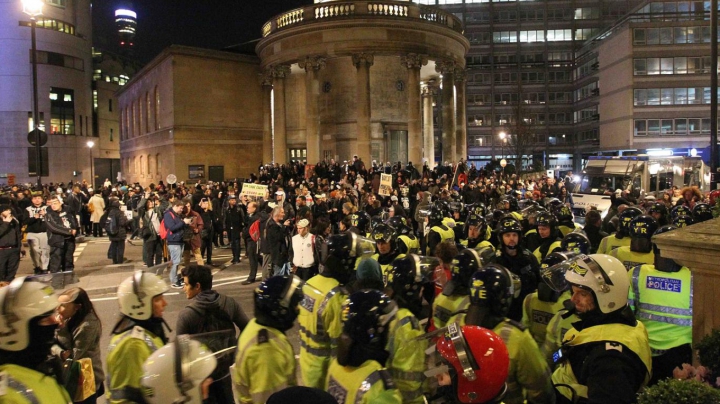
{"x":95,"y":273}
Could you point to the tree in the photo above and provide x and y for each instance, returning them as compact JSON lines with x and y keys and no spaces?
{"x":521,"y":137}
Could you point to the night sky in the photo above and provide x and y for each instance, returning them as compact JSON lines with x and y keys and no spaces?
{"x":203,"y":23}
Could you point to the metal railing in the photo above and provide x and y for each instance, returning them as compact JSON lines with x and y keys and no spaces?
{"x":346,"y":9}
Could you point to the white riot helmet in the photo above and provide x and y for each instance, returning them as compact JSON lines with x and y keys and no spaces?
{"x":135,"y":294}
{"x":175,"y":373}
{"x":20,"y":302}
{"x":602,"y":274}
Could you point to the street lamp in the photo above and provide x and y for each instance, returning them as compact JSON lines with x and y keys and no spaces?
{"x":90,"y":145}
{"x":33,"y":8}
{"x":502,"y":144}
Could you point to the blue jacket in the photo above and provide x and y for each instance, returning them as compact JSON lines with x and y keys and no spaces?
{"x":174,"y":225}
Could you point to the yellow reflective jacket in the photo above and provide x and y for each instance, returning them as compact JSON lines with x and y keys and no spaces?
{"x":264,"y":363}
{"x":406,"y":363}
{"x":369,"y":383}
{"x":445,"y":307}
{"x":27,"y":386}
{"x":126,"y":355}
{"x":611,"y":242}
{"x":631,"y":259}
{"x":538,"y":314}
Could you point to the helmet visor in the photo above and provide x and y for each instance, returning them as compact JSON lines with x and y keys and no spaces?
{"x":554,"y":276}
{"x":362,"y":247}
{"x":424,"y":267}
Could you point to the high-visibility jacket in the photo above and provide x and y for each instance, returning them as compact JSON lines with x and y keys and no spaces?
{"x":611,"y":242}
{"x":529,"y":375}
{"x":616,"y":337}
{"x":445,"y":235}
{"x":554,"y":246}
{"x":555,"y":332}
{"x":406,"y":363}
{"x":264,"y":363}
{"x":410,"y":244}
{"x":367,"y":384}
{"x":386,"y":264}
{"x":631,"y":259}
{"x":126,"y":355}
{"x":565,"y":230}
{"x":477,"y":244}
{"x":663,"y":302}
{"x":320,"y":323}
{"x":537,"y":314}
{"x":444,"y":307}
{"x":27,"y":386}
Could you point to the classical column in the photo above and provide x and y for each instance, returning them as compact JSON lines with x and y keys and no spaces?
{"x":414,"y":62}
{"x":447,"y":69}
{"x":312,"y":64}
{"x":280,"y":142}
{"x":460,"y":104}
{"x":428,"y":93}
{"x":362,"y":62}
{"x":266,"y":81}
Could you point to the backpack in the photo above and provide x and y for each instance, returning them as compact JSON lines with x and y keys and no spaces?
{"x":111,"y":225}
{"x":163,"y":233}
{"x":255,"y":231}
{"x":216,"y":321}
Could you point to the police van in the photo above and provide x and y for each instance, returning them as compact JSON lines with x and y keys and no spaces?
{"x":640,"y":175}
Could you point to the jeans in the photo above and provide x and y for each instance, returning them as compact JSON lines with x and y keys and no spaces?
{"x":266,"y":266}
{"x":97,"y":230}
{"x":61,"y":258}
{"x":206,"y":249}
{"x":176,"y":254}
{"x":9,"y":263}
{"x":39,"y":250}
{"x":153,"y":252}
{"x":116,"y":252}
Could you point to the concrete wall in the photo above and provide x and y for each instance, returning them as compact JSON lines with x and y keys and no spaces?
{"x":616,"y":91}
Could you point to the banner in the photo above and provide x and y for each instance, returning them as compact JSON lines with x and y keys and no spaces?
{"x":385,"y":185}
{"x":253,"y":190}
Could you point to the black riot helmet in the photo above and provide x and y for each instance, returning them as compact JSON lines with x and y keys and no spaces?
{"x":624,"y":220}
{"x":702,"y":212}
{"x":341,"y":252}
{"x":493,"y":287}
{"x":409,"y":274}
{"x":576,"y":242}
{"x":366,"y":315}
{"x":276,"y":301}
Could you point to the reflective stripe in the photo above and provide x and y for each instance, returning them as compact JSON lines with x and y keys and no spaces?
{"x":320,"y":339}
{"x":442,"y":313}
{"x":665,"y":319}
{"x":321,"y":309}
{"x":635,"y":286}
{"x":665,"y":309}
{"x":22,"y":389}
{"x":324,"y":352}
{"x":127,"y":334}
{"x":365,"y":386}
{"x":251,"y":342}
{"x":408,"y":376}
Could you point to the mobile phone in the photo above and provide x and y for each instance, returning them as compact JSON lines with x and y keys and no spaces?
{"x":557,"y":355}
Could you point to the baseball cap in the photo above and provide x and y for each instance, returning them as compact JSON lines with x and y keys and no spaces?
{"x":303,"y":223}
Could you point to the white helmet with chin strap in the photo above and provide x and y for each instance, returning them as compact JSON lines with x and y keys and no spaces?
{"x":603,"y":275}
{"x":21,"y":301}
{"x":135,"y":294}
{"x":175,"y":372}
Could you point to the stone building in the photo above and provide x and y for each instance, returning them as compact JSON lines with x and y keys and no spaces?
{"x":344,"y":78}
{"x":194,"y":113}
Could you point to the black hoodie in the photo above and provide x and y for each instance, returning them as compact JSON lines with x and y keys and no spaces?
{"x":191,"y":321}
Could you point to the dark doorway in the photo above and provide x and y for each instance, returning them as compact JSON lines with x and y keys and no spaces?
{"x":105,"y":168}
{"x":216,"y":173}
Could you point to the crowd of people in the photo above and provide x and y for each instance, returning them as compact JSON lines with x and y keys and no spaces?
{"x":518,"y":302}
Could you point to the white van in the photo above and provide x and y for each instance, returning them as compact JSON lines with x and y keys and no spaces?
{"x":640,"y":175}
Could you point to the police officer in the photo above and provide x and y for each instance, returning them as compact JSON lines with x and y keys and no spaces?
{"x":164,"y":382}
{"x":265,"y":361}
{"x":407,"y":242}
{"x":320,"y":309}
{"x":511,"y":207}
{"x":455,"y":295}
{"x":438,"y":231}
{"x":605,"y":357}
{"x":480,"y":378}
{"x":358,"y":374}
{"x":659,"y":212}
{"x":683,"y":221}
{"x":639,"y":251}
{"x":406,"y":362}
{"x":565,"y":217}
{"x":661,"y":297}
{"x":539,"y":307}
{"x":702,"y":212}
{"x":680,"y":210}
{"x":518,"y":260}
{"x":620,"y":238}
{"x":360,"y":223}
{"x":477,"y":233}
{"x":576,"y":242}
{"x":548,"y":236}
{"x":387,"y":252}
{"x":492,"y":291}
{"x":27,"y":331}
{"x":139,"y":332}
{"x":458,"y":215}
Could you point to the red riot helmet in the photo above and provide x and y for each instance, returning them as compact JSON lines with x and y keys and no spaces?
{"x":478,"y":362}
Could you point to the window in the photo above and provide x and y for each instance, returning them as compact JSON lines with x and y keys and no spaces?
{"x":640,"y":67}
{"x":55,"y":25}
{"x":582,"y":34}
{"x":532,"y":77}
{"x":505,"y":37}
{"x":62,"y":111}
{"x":558,"y":77}
{"x":671,"y":96}
{"x":559,"y":35}
{"x":148,"y":106}
{"x":587,"y":13}
{"x":158,"y":163}
{"x":560,"y":97}
{"x":480,"y":99}
{"x":111,"y":134}
{"x":59,"y":59}
{"x":157,"y":109}
{"x":141,"y":116}
{"x":532,"y":36}
{"x":57,"y":3}
{"x":672,"y":127}
{"x":476,"y":120}
{"x":298,"y":154}
{"x":109,"y":104}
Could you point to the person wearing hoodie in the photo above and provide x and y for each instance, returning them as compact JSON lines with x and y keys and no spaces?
{"x":209,"y":311}
{"x":116,"y":251}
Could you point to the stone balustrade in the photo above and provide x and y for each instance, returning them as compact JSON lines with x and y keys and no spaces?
{"x":345,"y":9}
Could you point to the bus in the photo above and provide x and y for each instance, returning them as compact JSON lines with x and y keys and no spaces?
{"x":640,"y":175}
